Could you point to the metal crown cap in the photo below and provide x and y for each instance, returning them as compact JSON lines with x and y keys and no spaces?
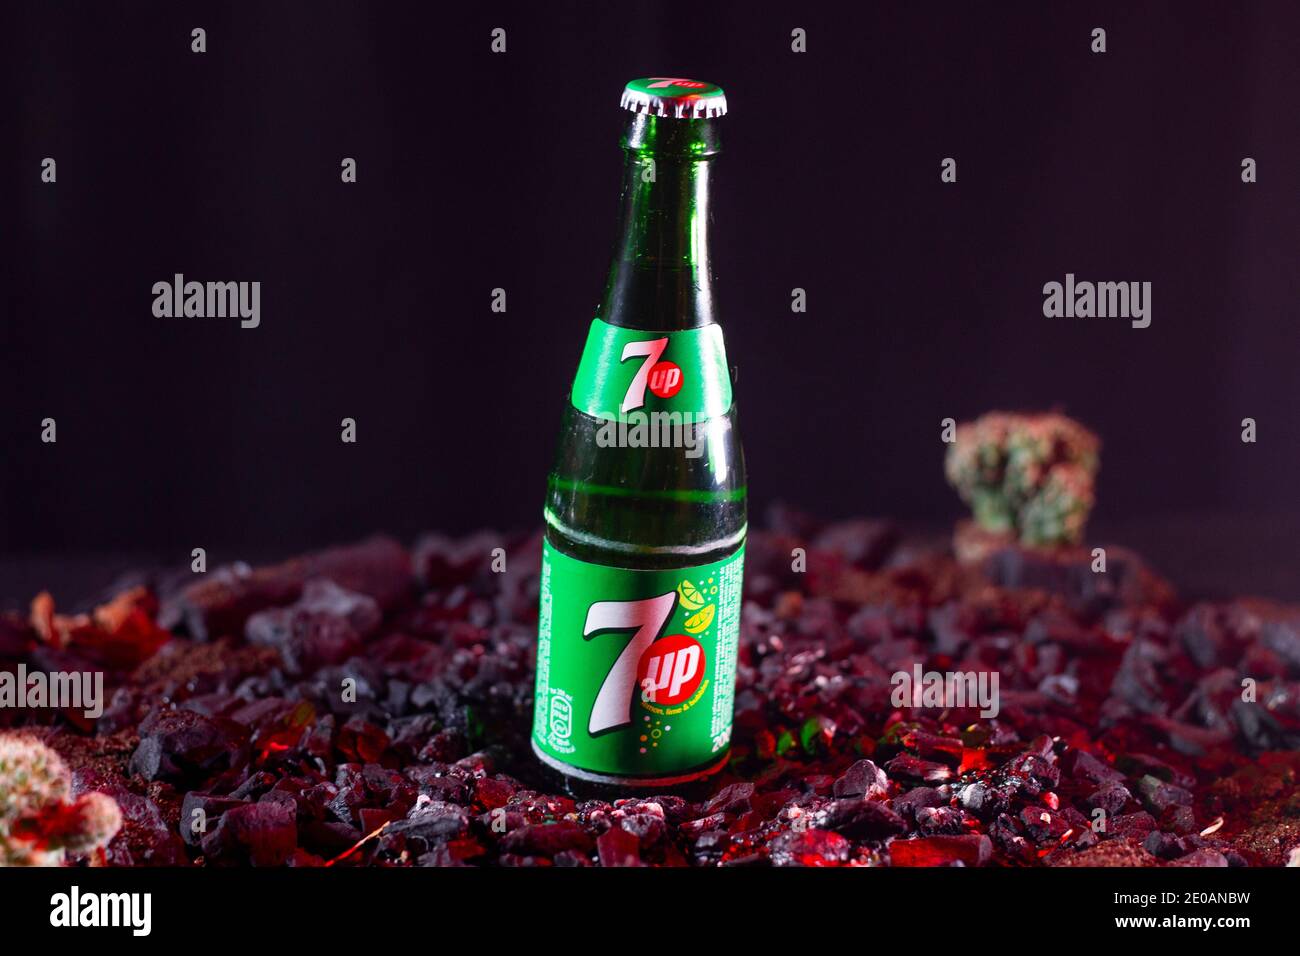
{"x":674,"y":98}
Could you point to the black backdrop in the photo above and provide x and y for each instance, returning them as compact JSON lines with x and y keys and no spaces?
{"x":479,"y":171}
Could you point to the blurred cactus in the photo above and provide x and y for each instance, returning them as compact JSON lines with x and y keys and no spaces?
{"x":1030,"y":477}
{"x":37,"y":822}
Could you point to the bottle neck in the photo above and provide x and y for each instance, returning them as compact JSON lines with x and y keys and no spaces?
{"x":661,"y":278}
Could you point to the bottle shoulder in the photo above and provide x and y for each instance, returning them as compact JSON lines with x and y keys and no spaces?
{"x":661,"y":492}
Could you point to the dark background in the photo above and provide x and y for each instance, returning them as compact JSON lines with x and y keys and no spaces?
{"x":479,"y":170}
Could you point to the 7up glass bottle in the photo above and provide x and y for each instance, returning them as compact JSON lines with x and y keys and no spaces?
{"x":645,"y":507}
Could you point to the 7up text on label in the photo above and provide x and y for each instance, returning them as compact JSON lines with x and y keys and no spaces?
{"x":636,"y":670}
{"x":627,"y":370}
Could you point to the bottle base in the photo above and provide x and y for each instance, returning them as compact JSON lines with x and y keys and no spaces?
{"x":631,"y":783}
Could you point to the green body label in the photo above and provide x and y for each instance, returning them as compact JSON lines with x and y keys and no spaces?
{"x":636,"y":670}
{"x":631,"y":370}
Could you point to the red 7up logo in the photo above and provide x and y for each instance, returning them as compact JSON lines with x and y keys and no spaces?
{"x":646,"y":619}
{"x":651,"y":349}
{"x":671,"y":670}
{"x":663,"y":378}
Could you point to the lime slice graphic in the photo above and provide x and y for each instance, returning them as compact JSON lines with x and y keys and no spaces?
{"x":692,"y":599}
{"x":701,"y":621}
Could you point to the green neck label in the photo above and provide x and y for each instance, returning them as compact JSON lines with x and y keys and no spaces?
{"x":631,"y":370}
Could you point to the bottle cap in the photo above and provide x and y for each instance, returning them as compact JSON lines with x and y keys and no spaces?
{"x":674,"y":97}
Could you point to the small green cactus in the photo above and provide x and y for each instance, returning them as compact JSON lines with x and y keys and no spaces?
{"x":1029,"y":476}
{"x":32,"y":776}
{"x":38,"y":824}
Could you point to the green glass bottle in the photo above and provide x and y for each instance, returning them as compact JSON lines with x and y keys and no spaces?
{"x":645,"y":506}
